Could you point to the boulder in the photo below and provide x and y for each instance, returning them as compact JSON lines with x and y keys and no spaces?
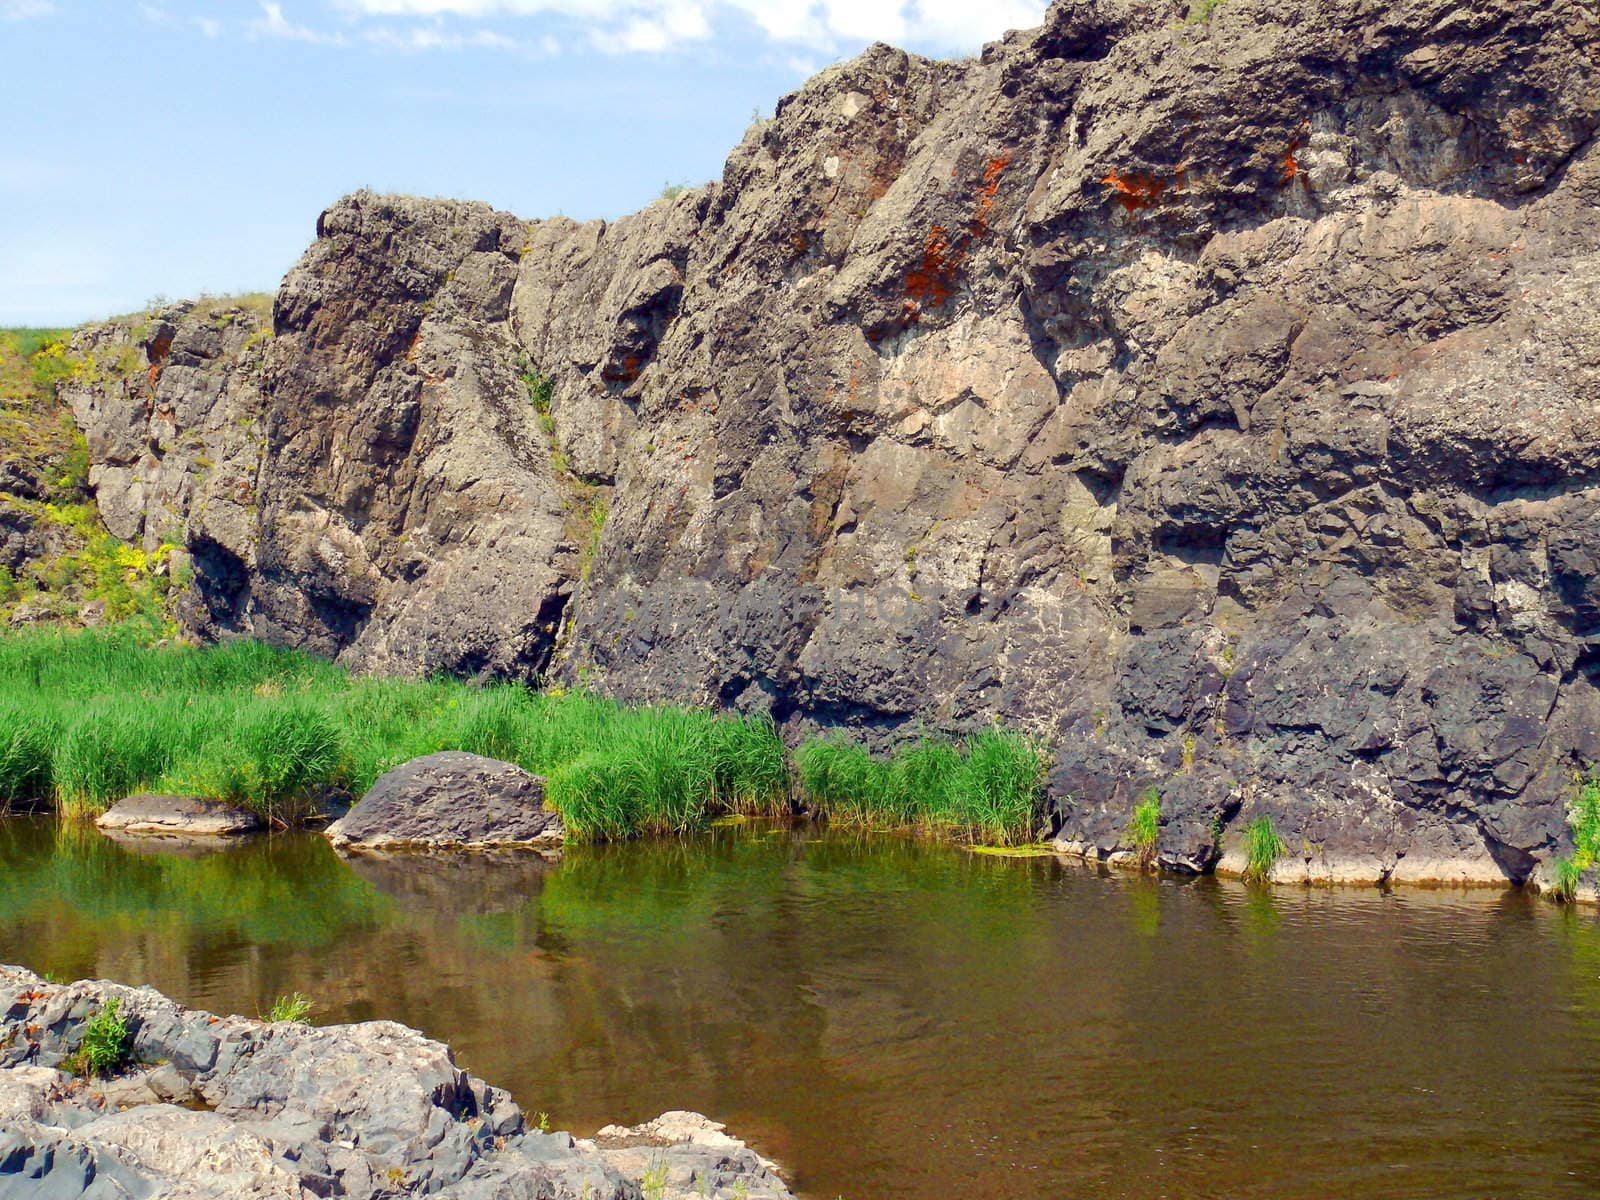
{"x":178,"y":816}
{"x":450,"y":800}
{"x":292,"y":1112}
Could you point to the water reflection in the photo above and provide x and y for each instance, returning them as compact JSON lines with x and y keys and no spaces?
{"x":898,"y":1019}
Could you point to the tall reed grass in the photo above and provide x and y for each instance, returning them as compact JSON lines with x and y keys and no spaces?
{"x":987,"y":788}
{"x":89,"y":717}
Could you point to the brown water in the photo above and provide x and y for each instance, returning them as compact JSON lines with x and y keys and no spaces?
{"x":892,"y":1019}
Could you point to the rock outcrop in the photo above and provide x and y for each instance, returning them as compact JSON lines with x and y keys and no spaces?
{"x":1214,"y":395}
{"x":237,"y":1108}
{"x":450,"y":800}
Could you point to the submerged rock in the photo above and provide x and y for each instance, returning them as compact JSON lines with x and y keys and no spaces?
{"x":450,"y":800}
{"x":242,"y":1108}
{"x":181,"y":816}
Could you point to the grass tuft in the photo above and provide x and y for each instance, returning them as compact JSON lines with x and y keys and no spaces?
{"x":1584,"y":819}
{"x":107,"y":1044}
{"x":1263,"y":847}
{"x":295,"y":1008}
{"x":1144,"y":828}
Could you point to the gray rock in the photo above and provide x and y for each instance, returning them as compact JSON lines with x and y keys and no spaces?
{"x":182,"y":816}
{"x":450,"y":800}
{"x":360,"y":1111}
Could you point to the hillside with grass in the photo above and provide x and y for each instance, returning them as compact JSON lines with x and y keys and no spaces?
{"x":58,"y":564}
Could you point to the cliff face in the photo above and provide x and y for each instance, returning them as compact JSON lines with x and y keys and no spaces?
{"x":1216,"y":398}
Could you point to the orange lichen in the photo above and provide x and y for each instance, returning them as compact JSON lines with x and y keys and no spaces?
{"x":992,"y":171}
{"x":933,"y":282}
{"x":627,"y":374}
{"x":1135,"y":191}
{"x":159,"y":349}
{"x":1291,"y":165}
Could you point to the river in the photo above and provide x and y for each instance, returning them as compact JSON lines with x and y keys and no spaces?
{"x":901,"y":1020}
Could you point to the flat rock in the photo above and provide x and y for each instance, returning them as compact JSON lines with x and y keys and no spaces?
{"x":450,"y":800}
{"x":183,"y":816}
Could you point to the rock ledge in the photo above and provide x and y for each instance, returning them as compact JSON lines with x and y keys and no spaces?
{"x":242,"y":1108}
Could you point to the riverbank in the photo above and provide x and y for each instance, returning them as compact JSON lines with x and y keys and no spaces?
{"x":89,"y":717}
{"x":101,"y":1082}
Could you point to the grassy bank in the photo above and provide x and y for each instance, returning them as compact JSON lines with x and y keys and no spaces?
{"x":89,"y":717}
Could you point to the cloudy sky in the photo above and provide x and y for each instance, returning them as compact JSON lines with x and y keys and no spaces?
{"x":164,"y":147}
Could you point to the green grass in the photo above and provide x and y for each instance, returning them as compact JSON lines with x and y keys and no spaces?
{"x":107,"y":1044}
{"x":985,"y":789}
{"x":87,"y":718}
{"x":1263,"y":847}
{"x":1584,"y":819}
{"x":1144,"y":829}
{"x":93,"y":716}
{"x":295,"y":1008}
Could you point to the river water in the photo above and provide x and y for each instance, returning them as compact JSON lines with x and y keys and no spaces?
{"x":897,"y":1019}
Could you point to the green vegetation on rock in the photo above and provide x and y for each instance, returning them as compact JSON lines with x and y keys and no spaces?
{"x":76,"y":570}
{"x":107,"y":1044}
{"x":89,"y":717}
{"x":294,"y":1008}
{"x":1583,"y":817}
{"x":1263,"y":847}
{"x":1144,"y":830}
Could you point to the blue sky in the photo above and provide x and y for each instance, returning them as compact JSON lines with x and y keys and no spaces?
{"x":165,"y":147}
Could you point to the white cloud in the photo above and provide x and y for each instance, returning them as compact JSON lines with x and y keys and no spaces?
{"x":272,"y":23}
{"x":620,"y":26}
{"x":19,"y":10}
{"x":420,"y":38}
{"x":157,"y":15}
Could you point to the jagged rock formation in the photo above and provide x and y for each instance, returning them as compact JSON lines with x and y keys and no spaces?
{"x":219,"y":1108}
{"x":1215,"y":397}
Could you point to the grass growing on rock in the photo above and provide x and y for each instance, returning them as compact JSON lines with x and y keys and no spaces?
{"x":1263,"y":847}
{"x":89,"y":717}
{"x":1583,"y":817}
{"x":107,"y":1044}
{"x":987,"y":788}
{"x":1144,"y":829}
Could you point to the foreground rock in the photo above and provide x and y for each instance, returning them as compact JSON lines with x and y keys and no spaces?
{"x":178,"y":816}
{"x":239,"y":1108}
{"x":450,"y":800}
{"x":1208,"y":389}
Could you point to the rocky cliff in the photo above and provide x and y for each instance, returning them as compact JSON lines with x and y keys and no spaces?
{"x":1211,"y":389}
